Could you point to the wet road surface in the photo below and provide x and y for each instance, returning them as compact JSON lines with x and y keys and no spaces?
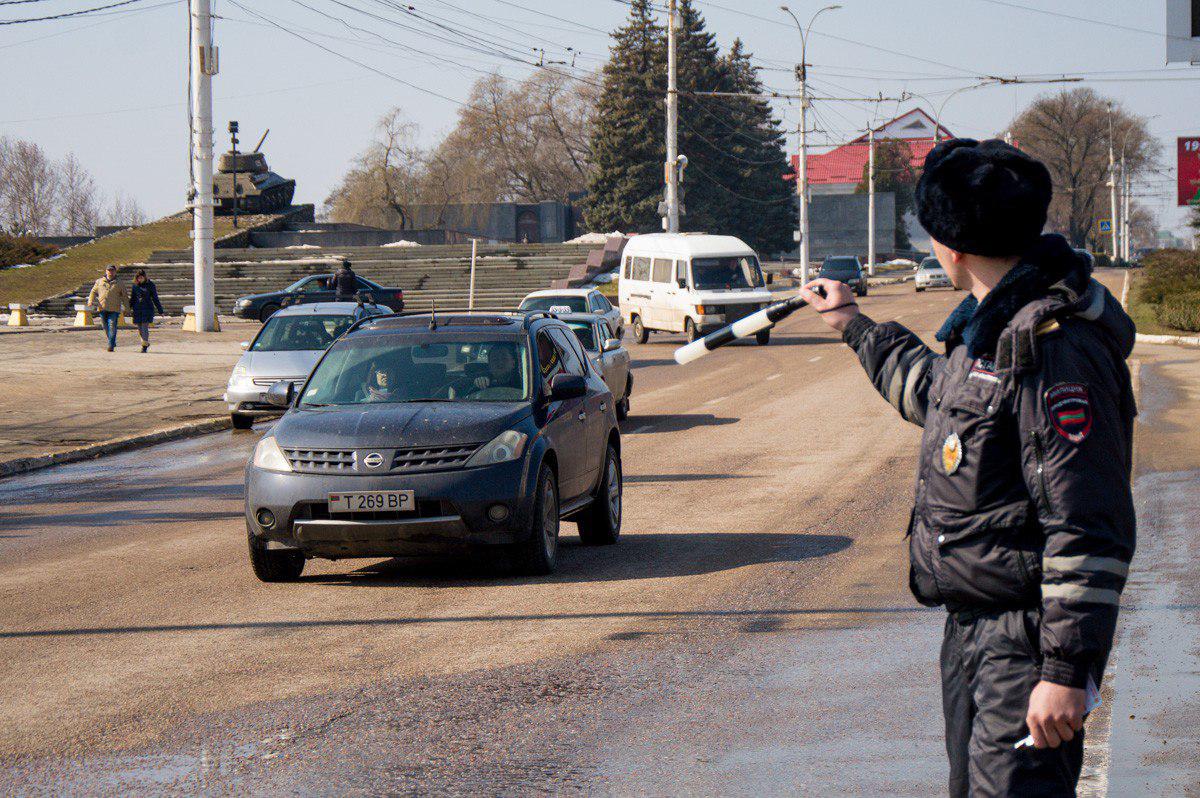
{"x":751,"y":634}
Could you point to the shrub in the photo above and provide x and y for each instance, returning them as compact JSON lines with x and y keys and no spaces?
{"x":1169,"y":272}
{"x":1180,"y":311}
{"x":1101,"y":260}
{"x":22,"y":249}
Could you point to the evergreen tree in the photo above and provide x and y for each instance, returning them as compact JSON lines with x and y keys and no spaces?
{"x":628,"y":145}
{"x":894,"y":172}
{"x":763,"y":210}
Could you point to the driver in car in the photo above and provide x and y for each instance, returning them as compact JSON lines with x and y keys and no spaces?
{"x":502,"y":370}
{"x":383,"y":384}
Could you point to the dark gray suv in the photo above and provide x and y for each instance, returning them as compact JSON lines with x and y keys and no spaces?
{"x":461,"y":433}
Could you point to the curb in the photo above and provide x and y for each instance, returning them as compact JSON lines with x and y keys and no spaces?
{"x":24,"y":465}
{"x":1177,"y":340}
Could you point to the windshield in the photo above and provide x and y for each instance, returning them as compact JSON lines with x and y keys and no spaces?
{"x":840,"y":266}
{"x":300,"y":333}
{"x":930,"y":263}
{"x":737,"y":271}
{"x":585,"y":333}
{"x":556,"y":304}
{"x":404,"y":367}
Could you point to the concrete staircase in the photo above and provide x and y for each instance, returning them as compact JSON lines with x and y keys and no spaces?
{"x":504,"y":273}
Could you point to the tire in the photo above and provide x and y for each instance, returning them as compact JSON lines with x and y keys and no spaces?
{"x":274,"y":566}
{"x":600,"y":523}
{"x":763,"y":337}
{"x":538,"y":555}
{"x":623,"y":409}
{"x":267,"y":311}
{"x":689,"y":329}
{"x":241,"y":420}
{"x":640,"y":334}
{"x":919,"y":289}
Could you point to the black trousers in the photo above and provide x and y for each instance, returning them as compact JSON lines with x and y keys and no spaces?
{"x":990,"y":664}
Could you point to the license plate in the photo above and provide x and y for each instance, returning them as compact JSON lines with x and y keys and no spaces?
{"x":373,"y":501}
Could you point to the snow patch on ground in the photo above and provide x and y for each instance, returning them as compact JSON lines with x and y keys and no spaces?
{"x":402,"y":244}
{"x":594,"y":238}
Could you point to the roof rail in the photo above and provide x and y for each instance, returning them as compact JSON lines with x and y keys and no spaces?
{"x":529,"y":315}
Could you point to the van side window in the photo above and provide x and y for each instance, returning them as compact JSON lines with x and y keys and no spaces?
{"x":641,"y":269}
{"x":662,"y":270}
{"x":680,"y":270}
{"x":627,"y":268}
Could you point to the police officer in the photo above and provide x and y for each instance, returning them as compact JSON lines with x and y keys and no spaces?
{"x":1023,"y":523}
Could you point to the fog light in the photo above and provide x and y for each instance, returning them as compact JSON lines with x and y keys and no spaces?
{"x":265,"y":518}
{"x":497,"y":512}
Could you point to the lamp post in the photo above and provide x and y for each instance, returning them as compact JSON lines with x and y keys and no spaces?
{"x":802,"y":163}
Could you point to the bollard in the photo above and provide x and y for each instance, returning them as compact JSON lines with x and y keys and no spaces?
{"x":83,"y":316}
{"x":17,"y":317}
{"x":189,"y":319}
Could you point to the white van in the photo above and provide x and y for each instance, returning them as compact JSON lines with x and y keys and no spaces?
{"x":691,"y":283}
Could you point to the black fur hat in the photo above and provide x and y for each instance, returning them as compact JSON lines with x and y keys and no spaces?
{"x":983,"y":197}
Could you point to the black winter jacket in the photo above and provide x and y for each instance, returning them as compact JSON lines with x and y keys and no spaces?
{"x":1023,"y":493}
{"x":345,"y":283}
{"x":143,"y":302}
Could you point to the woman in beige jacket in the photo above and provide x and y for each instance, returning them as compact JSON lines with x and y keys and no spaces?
{"x":110,"y":297}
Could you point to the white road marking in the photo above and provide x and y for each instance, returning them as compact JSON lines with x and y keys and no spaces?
{"x":718,"y":399}
{"x":775,"y":376}
{"x":814,"y":359}
{"x":897,"y":317}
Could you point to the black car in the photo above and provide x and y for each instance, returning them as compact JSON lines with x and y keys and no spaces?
{"x":845,"y":269}
{"x":317,"y":288}
{"x":472,"y":433}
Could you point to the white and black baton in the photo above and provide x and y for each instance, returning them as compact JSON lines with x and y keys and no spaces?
{"x":742,"y":328}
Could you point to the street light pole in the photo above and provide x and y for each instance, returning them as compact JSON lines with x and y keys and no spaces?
{"x":802,"y":162}
{"x":871,"y":203}
{"x":1112,"y":185}
{"x":203,"y":61}
{"x":670,"y":168}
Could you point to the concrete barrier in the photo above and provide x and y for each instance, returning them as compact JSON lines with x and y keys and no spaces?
{"x":17,"y":315}
{"x":83,"y":316}
{"x":189,"y":319}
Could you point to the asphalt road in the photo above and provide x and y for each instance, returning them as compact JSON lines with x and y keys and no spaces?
{"x":751,"y":633}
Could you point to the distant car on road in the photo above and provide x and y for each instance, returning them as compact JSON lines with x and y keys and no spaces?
{"x":930,"y":274}
{"x":575,"y":300}
{"x":286,"y":348}
{"x":607,"y":353}
{"x":845,"y":269}
{"x":317,"y":288}
{"x":474,"y":433}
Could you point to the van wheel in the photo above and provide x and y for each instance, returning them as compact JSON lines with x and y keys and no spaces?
{"x":919,"y":289}
{"x":600,"y":523}
{"x":274,"y":566}
{"x":763,"y":337}
{"x":639,"y":331}
{"x":241,"y":420}
{"x":538,"y":555}
{"x":689,"y":329}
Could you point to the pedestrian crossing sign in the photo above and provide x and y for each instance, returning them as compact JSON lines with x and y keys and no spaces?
{"x":1105,"y":225}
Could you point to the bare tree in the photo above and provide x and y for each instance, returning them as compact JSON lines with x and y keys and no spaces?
{"x":385,"y":179}
{"x":79,"y":209}
{"x":1070,"y":133}
{"x":29,"y":190}
{"x":125,"y":210}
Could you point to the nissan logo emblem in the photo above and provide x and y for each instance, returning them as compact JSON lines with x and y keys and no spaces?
{"x":373,"y":460}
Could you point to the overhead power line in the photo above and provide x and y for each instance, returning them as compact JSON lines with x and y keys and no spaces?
{"x":68,"y":14}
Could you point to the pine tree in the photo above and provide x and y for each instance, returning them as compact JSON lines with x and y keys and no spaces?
{"x":628,"y":145}
{"x":763,"y":210}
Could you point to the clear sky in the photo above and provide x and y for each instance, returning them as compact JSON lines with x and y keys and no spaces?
{"x":112,"y":88}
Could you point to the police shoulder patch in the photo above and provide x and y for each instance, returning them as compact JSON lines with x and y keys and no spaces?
{"x":1069,"y":408}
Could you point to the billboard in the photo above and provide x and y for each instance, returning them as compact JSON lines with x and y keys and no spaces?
{"x":1183,"y":31}
{"x":1188,"y":153}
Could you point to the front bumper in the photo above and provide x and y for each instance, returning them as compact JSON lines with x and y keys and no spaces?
{"x":249,"y":399}
{"x":726,"y":315}
{"x":246,"y":312}
{"x":451,"y":515}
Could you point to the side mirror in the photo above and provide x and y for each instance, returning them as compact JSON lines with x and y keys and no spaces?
{"x":612,"y":344}
{"x":281,"y":394}
{"x":244,"y":344}
{"x":567,"y":386}
{"x":682,"y":282}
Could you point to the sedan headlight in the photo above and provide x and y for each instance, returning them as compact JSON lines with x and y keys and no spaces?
{"x":269,"y":457}
{"x":504,"y":447}
{"x":242,"y":303}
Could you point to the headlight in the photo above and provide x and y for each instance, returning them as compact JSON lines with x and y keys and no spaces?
{"x":504,"y":447}
{"x":239,"y":371}
{"x":241,"y":303}
{"x":268,"y":456}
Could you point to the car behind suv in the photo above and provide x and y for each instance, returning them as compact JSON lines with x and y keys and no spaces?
{"x":472,"y":433}
{"x":845,"y":269}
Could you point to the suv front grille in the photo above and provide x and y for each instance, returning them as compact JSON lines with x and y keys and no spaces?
{"x":321,"y":461}
{"x":432,"y":458}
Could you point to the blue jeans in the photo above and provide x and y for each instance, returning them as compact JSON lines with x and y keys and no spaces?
{"x":110,"y":319}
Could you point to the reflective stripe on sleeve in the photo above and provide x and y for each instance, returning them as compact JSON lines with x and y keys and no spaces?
{"x":1086,"y":562}
{"x":909,"y":403}
{"x":1096,"y":595}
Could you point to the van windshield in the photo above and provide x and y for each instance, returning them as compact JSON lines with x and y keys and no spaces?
{"x":735,"y":271}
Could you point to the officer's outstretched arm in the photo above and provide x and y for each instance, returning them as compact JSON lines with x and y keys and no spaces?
{"x":899,"y":364}
{"x":1075,"y":417}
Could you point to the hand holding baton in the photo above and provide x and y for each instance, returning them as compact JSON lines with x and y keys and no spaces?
{"x":743,"y":328}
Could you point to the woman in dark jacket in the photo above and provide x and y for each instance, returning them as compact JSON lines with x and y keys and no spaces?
{"x":143,"y":302}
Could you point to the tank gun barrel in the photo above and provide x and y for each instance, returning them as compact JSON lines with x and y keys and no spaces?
{"x":258,"y":146}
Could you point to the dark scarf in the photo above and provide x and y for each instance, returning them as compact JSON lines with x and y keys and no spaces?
{"x":1050,"y":262}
